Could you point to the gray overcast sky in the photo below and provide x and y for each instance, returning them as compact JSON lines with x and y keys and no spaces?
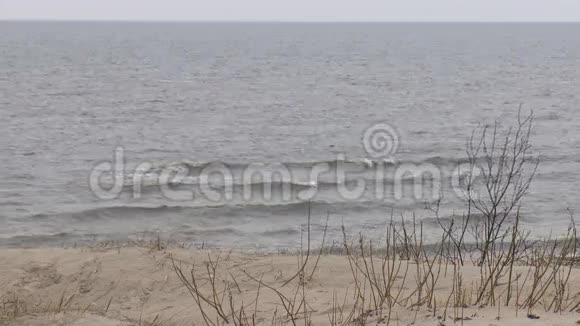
{"x":358,"y":10}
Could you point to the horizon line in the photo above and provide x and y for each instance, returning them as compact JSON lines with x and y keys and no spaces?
{"x":50,"y":20}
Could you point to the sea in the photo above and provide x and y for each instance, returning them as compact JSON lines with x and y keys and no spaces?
{"x":253,"y":135}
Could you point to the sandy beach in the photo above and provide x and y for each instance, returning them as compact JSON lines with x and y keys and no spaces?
{"x":138,"y":285}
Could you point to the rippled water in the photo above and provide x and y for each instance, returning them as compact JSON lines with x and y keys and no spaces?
{"x":71,"y":93}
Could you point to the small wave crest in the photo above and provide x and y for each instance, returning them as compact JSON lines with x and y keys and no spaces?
{"x":254,"y":210}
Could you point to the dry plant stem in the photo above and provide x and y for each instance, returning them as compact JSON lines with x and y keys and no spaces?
{"x":321,"y":247}
{"x":301,"y":270}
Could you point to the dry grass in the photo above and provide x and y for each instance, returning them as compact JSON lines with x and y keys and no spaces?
{"x":403,"y":275}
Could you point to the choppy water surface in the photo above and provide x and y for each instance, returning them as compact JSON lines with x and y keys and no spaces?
{"x":183,"y":95}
